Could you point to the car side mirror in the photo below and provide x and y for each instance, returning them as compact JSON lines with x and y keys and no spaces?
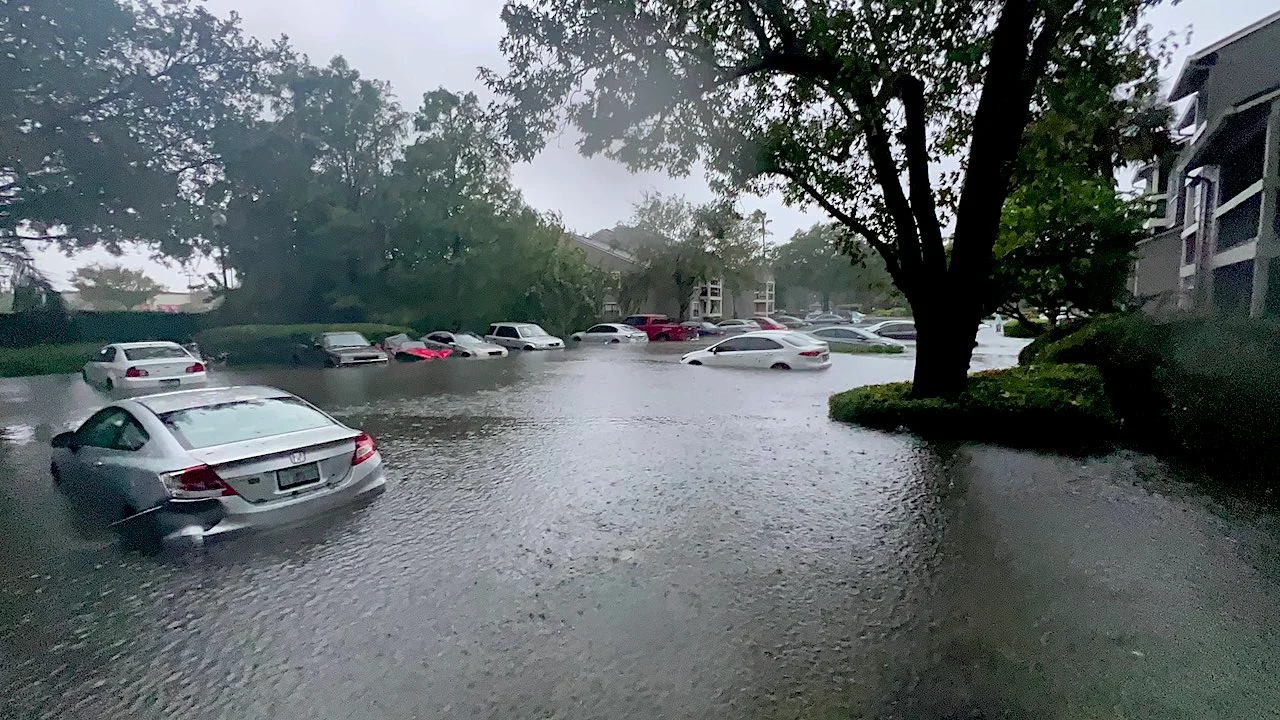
{"x":65,"y":440}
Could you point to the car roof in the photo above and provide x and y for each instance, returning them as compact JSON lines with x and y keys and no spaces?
{"x":187,"y":399}
{"x":148,"y":343}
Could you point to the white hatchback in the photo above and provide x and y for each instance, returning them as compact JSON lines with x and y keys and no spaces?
{"x":776,"y":349}
{"x":144,"y":364}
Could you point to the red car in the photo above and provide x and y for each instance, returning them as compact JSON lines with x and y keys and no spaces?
{"x":768,"y":323}
{"x":660,"y":327}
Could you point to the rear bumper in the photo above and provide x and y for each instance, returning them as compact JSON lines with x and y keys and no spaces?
{"x":194,"y":522}
{"x":187,"y":380}
{"x":348,"y":362}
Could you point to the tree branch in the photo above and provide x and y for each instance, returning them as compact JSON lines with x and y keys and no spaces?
{"x":871,"y":236}
{"x":914,"y":140}
{"x":752,"y":20}
{"x":886,"y":171}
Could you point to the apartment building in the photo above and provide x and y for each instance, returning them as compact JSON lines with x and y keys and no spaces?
{"x":1214,"y":242}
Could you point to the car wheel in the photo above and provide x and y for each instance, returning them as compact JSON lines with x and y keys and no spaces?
{"x":661,"y":337}
{"x":528,"y":347}
{"x":781,"y":366}
{"x":108,"y":384}
{"x":615,"y":341}
{"x":577,"y":339}
{"x":330,"y":362}
{"x":466,"y":354}
{"x":695,"y":362}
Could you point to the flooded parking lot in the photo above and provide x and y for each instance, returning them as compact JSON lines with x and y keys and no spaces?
{"x":604,"y":533}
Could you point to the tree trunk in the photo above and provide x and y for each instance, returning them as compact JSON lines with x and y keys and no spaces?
{"x":945,"y":335}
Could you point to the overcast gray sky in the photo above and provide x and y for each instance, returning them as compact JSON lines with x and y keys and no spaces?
{"x":419,"y":45}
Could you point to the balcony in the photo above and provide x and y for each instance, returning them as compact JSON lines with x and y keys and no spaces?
{"x":1238,"y":217}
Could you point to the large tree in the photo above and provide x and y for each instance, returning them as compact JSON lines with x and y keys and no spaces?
{"x":848,"y":104}
{"x":110,"y":113}
{"x":825,"y":261}
{"x":114,"y":287}
{"x":689,"y":244}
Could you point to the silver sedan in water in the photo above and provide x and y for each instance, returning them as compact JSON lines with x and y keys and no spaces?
{"x":198,"y":463}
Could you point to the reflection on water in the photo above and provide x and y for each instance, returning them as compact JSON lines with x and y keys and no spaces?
{"x":605,"y":533}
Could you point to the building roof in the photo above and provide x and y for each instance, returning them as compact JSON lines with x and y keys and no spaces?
{"x":1196,"y":67}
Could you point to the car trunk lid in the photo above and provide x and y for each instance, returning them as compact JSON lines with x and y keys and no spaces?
{"x":164,"y":367}
{"x":282,"y":467}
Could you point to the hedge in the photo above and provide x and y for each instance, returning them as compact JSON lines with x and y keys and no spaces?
{"x":275,"y":344}
{"x":897,"y":312}
{"x":867,"y":349}
{"x":27,"y":329}
{"x":1204,"y":387}
{"x":46,"y":359}
{"x":1063,"y":406}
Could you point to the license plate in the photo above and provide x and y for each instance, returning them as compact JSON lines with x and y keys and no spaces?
{"x":171,"y":381}
{"x":297,"y":476}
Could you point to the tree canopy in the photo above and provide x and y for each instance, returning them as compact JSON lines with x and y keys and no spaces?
{"x":818,"y":260}
{"x":847,"y":104}
{"x":111,"y":113}
{"x":114,"y":287}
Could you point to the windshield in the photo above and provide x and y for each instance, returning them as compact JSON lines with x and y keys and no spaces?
{"x":468,"y":340}
{"x":349,"y":339}
{"x":532,"y":331}
{"x":156,"y":352}
{"x":234,"y":422}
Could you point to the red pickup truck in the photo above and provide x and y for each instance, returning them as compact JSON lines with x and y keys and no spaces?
{"x":660,"y":327}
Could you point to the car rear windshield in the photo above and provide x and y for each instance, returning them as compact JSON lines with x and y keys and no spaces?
{"x":156,"y":352}
{"x":796,"y":340}
{"x":242,"y":420}
{"x":345,"y":340}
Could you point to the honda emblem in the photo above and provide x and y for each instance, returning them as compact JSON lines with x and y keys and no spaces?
{"x":297,"y":458}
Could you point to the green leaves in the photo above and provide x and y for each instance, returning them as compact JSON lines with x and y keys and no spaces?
{"x":114,"y":287}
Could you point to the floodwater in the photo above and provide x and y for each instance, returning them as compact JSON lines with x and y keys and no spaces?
{"x":604,"y":533}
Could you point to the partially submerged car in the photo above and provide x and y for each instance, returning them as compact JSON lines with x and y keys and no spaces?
{"x":660,"y":327}
{"x":340,"y":349}
{"x":702,"y":327}
{"x":610,"y":333}
{"x":144,"y":364}
{"x":523,"y":336}
{"x":193,"y":464}
{"x":466,"y":344}
{"x":405,"y":349}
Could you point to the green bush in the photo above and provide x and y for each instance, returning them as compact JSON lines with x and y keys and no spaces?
{"x":867,"y":349}
{"x":1041,"y":405}
{"x":275,"y":344}
{"x":46,"y":359}
{"x":1208,"y":388}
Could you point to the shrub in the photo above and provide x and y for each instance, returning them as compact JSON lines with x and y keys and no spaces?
{"x":275,"y":344}
{"x":1041,"y":405}
{"x":868,"y":349}
{"x":46,"y":359}
{"x":1204,"y":387}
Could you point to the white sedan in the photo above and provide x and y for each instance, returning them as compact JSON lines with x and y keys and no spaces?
{"x":776,"y":349}
{"x":610,"y":333}
{"x":144,"y":364}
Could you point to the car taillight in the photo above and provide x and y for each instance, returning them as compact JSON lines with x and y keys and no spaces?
{"x":195,"y":367}
{"x":365,"y":448}
{"x":135,"y":372}
{"x":195,"y":483}
{"x":812,"y":353}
